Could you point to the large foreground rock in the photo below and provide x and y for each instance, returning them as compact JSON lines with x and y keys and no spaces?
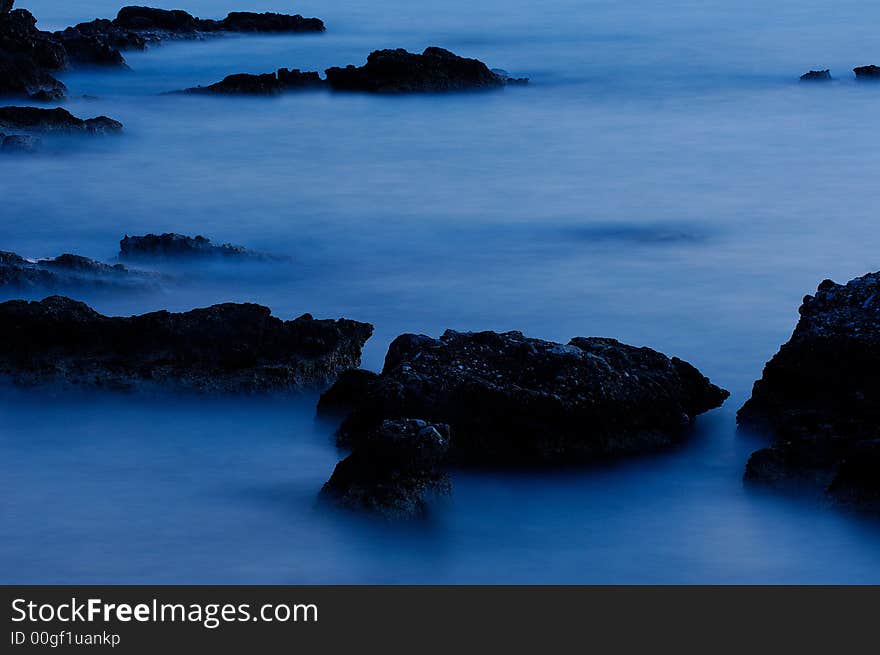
{"x":55,"y":120}
{"x":820,"y":397}
{"x":67,"y":272}
{"x":399,"y":71}
{"x":392,"y":470}
{"x":508,"y":398}
{"x":223,"y":348}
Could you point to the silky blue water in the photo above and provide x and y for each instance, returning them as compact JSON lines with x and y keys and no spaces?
{"x":664,"y":180}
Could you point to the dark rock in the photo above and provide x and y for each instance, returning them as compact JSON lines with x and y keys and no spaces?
{"x":6,"y":6}
{"x":399,"y":71}
{"x":870,"y":73}
{"x":20,"y":143}
{"x":392,"y":469}
{"x":267,"y":84}
{"x":816,"y":76}
{"x":19,"y":36}
{"x":246,"y":21}
{"x":115,"y":36}
{"x":223,"y":348}
{"x":55,"y":120}
{"x":179,"y":246}
{"x":145,"y":19}
{"x":21,"y":77}
{"x":154,"y":25}
{"x":67,"y":272}
{"x":508,"y":398}
{"x":90,"y":49}
{"x":820,"y":394}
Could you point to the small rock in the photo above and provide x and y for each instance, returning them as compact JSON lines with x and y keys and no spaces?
{"x":399,"y":71}
{"x":816,"y":76}
{"x":392,"y":470}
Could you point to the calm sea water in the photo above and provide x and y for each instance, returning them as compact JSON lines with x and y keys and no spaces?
{"x":664,"y":180}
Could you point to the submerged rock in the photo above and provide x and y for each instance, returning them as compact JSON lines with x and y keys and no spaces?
{"x":870,"y":73}
{"x":399,"y":71}
{"x":820,"y":397}
{"x":171,"y":245}
{"x":392,"y":470}
{"x":20,"y":143}
{"x":55,"y":120}
{"x":223,"y":348}
{"x":66,"y":272}
{"x":266,"y":84}
{"x":508,"y":398}
{"x":817,"y":76}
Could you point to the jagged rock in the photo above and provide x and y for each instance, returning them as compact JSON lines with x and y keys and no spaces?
{"x":820,"y":395}
{"x":55,"y":120}
{"x":6,"y":6}
{"x":143,"y":19}
{"x":399,"y":71}
{"x":155,"y":25}
{"x":870,"y":73}
{"x":19,"y":143}
{"x":67,"y":272}
{"x":223,"y":348}
{"x":392,"y":470}
{"x":267,"y":84}
{"x":19,"y":35}
{"x":170,"y":245}
{"x":114,"y":35}
{"x":509,"y":398}
{"x":21,"y":77}
{"x":90,"y":49}
{"x":817,"y":76}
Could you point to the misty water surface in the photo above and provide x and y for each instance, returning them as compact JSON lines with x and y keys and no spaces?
{"x":664,"y":180}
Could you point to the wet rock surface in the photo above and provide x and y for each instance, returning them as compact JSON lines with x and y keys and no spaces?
{"x":55,"y":120}
{"x":511,"y":399}
{"x":267,"y":84}
{"x":820,"y":397}
{"x":223,"y":348}
{"x":179,"y":246}
{"x":67,"y":272}
{"x":393,"y":470}
{"x":399,"y":71}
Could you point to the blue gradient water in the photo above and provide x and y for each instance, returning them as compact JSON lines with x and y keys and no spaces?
{"x":664,"y":180}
